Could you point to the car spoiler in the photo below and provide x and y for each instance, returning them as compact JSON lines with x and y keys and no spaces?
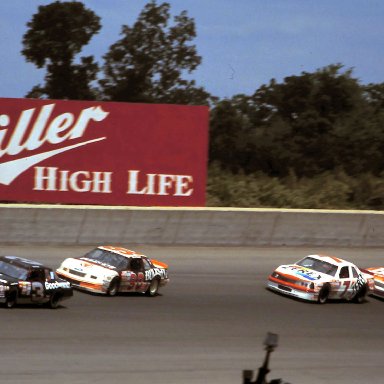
{"x":159,"y":264}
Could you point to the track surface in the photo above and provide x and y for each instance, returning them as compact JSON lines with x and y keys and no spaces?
{"x":206,"y":326}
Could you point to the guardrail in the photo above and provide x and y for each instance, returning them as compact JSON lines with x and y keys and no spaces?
{"x":63,"y":224}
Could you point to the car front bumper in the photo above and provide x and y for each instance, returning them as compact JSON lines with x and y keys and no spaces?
{"x":290,"y":291}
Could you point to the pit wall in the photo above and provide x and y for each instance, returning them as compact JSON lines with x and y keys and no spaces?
{"x":76,"y":225}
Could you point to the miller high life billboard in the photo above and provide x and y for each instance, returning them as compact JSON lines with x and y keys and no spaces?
{"x":89,"y":152}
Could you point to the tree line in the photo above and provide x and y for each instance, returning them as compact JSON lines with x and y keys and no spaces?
{"x":314,"y":140}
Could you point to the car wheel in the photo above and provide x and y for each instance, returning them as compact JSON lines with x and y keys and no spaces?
{"x":323,"y":294}
{"x":11,"y":300}
{"x":153,"y":288}
{"x":54,"y":301}
{"x":360,"y":295}
{"x":113,"y":288}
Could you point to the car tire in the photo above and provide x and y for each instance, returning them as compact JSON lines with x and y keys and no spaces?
{"x":323,"y":294}
{"x":54,"y":301}
{"x":11,"y":300}
{"x":113,"y":288}
{"x":360,"y":295}
{"x":153,"y":288}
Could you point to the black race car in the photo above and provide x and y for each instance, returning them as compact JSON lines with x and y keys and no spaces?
{"x":26,"y":281}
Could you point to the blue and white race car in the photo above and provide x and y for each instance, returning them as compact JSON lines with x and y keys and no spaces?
{"x":110,"y":270}
{"x":319,"y":278}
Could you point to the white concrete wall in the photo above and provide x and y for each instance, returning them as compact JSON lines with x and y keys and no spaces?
{"x":57,"y":224}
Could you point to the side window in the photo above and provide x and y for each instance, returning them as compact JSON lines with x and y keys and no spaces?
{"x":354,"y":273}
{"x":344,"y":273}
{"x":136,"y":265}
{"x":147,"y":265}
{"x":123,"y":264}
{"x":36,"y":275}
{"x":49,"y":275}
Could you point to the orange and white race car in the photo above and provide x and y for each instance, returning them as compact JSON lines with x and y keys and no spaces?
{"x":319,"y":278}
{"x":378,"y":277}
{"x":110,"y":270}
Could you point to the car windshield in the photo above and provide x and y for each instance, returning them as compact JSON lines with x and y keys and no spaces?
{"x":13,"y":270}
{"x":107,"y":259}
{"x":318,"y":265}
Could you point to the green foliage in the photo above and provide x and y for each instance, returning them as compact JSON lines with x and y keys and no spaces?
{"x":315,"y":140}
{"x":312,"y":123}
{"x":329,"y":190}
{"x":57,"y":32}
{"x":147,"y":64}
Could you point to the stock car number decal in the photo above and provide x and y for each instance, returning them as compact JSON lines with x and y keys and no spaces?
{"x":132,"y":279}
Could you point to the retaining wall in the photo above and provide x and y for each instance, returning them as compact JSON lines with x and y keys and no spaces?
{"x":59,"y":224}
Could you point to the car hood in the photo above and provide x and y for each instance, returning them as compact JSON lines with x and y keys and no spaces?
{"x":89,"y":267}
{"x":303,"y":273}
{"x":377,"y":272}
{"x":5,"y":279}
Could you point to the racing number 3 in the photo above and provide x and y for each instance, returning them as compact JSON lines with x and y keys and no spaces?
{"x":37,"y":290}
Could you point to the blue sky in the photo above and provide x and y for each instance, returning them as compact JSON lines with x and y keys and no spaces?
{"x":243,"y":43}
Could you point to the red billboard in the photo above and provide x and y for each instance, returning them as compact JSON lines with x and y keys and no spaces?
{"x":109,"y":153}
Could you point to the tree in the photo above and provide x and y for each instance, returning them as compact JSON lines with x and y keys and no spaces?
{"x":318,"y":109}
{"x":148,"y":63}
{"x":56,"y":34}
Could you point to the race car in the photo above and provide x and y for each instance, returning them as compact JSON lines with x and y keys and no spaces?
{"x":109,"y":270}
{"x":378,"y":277}
{"x":24,"y":281}
{"x":319,"y":278}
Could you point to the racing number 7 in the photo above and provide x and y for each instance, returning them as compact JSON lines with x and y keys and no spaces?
{"x":347,"y":284}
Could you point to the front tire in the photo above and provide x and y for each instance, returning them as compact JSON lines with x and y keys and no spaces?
{"x":11,"y":300}
{"x":153,"y":288}
{"x":323,"y":294}
{"x":113,"y":288}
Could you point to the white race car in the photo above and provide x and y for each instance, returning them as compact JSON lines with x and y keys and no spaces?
{"x":110,"y":270}
{"x":319,"y":278}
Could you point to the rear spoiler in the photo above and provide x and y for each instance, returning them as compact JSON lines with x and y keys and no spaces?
{"x":159,"y":264}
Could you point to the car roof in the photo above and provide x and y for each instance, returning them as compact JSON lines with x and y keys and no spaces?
{"x":22,"y":262}
{"x":331,"y":259}
{"x":121,"y":251}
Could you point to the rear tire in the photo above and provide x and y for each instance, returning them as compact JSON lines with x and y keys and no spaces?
{"x":360,"y":295}
{"x":113,"y":288}
{"x":54,"y":301}
{"x":153,"y":288}
{"x":323,"y":294}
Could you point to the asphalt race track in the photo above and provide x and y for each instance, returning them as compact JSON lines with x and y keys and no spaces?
{"x":206,"y":327}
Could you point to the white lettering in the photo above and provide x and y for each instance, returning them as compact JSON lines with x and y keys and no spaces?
{"x":165,"y":183}
{"x":45,"y":174}
{"x":14,"y":146}
{"x":58,"y":125}
{"x":182,"y":185}
{"x":133,"y":182}
{"x":103,"y":179}
{"x":52,"y":179}
{"x":159,"y":184}
{"x":57,"y":284}
{"x":93,"y":113}
{"x":64,"y":122}
{"x":35,"y":139}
